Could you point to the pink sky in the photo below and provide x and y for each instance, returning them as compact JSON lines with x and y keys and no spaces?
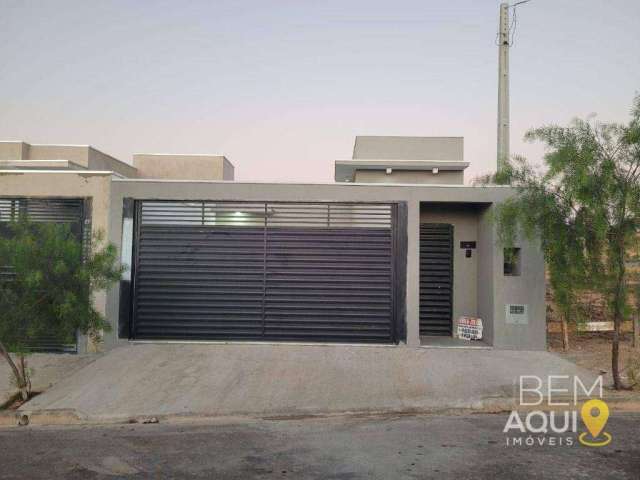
{"x":283,"y":87}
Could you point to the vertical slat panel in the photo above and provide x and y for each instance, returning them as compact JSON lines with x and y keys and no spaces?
{"x":436,"y":279}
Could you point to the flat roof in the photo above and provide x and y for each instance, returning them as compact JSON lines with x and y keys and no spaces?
{"x":345,"y":169}
{"x":182,"y":154}
{"x":234,"y":182}
{"x":49,"y":163}
{"x":84,"y":173}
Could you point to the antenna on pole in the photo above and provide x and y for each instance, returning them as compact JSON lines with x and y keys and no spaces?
{"x":504,"y":41}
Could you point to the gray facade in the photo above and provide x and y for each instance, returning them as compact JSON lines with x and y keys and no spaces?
{"x":481,"y":288}
{"x":404,"y":160}
{"x":512,"y":307}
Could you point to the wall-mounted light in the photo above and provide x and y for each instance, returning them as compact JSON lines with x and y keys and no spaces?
{"x":435,"y":170}
{"x":389,"y":170}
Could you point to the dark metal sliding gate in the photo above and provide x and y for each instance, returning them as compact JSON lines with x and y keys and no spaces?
{"x":436,"y":279}
{"x":265,"y":271}
{"x":70,"y":211}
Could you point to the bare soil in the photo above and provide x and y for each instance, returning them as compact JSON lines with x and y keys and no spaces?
{"x":592,"y":351}
{"x":15,"y":401}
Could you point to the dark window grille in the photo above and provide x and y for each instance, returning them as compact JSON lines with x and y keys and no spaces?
{"x":69,"y":211}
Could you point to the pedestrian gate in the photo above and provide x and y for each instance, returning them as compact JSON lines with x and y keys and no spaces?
{"x":436,"y":279}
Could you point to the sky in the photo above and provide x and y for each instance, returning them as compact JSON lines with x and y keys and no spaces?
{"x":283,"y":87}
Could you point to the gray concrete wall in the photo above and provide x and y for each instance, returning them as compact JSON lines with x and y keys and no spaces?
{"x":10,"y":150}
{"x":464,"y":219}
{"x":528,"y":288}
{"x":486,"y":253}
{"x":413,"y":273}
{"x":83,"y":155}
{"x":98,"y":160}
{"x":408,"y":148}
{"x":489,"y":302}
{"x":183,"y":167}
{"x":75,"y":153}
{"x":495,"y":290}
{"x":228,"y":170}
{"x":410,"y":176}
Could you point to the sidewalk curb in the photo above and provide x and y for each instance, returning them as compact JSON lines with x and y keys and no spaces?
{"x":71,"y":417}
{"x":18,"y":418}
{"x":492,"y":405}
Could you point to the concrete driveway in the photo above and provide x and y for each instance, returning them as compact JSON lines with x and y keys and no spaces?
{"x":273,"y":380}
{"x":47,"y":370}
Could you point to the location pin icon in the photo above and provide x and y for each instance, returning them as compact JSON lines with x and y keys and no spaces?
{"x":595,"y":423}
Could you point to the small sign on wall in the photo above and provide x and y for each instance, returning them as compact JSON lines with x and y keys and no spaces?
{"x":469,"y":328}
{"x":516,"y":314}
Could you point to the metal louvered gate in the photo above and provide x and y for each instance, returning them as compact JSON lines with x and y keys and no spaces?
{"x":436,"y":279}
{"x":69,"y":211}
{"x":319,"y":272}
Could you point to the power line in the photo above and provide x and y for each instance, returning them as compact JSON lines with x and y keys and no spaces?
{"x":512,"y":25}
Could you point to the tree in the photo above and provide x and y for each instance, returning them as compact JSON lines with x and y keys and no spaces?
{"x":47,"y":288}
{"x":585,"y":208}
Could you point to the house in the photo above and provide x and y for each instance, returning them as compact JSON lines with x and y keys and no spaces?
{"x":393,"y":252}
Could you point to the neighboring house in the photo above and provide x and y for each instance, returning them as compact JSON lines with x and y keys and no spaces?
{"x":391,"y":253}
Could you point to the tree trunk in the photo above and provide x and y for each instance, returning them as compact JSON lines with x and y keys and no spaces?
{"x":20,"y":380}
{"x":565,"y":333}
{"x":615,"y":357}
{"x":26,"y":388}
{"x":618,"y":307}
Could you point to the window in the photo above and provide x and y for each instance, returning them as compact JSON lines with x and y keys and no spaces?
{"x":516,"y":314}
{"x":516,"y":309}
{"x":512,"y":267}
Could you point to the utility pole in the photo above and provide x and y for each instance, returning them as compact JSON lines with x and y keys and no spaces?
{"x":505,"y":40}
{"x":503,"y":86}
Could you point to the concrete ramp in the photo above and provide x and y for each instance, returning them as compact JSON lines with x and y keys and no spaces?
{"x":273,"y":380}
